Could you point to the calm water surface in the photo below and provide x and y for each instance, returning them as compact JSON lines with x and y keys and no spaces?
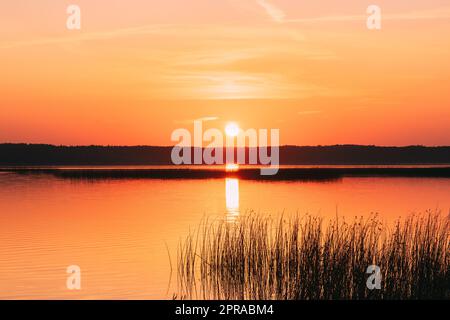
{"x":120,"y":231}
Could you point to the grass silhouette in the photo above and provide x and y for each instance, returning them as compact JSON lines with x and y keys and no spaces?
{"x":309,"y":258}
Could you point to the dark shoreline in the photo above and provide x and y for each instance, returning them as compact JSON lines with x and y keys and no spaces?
{"x":293,"y":174}
{"x":50,"y":155}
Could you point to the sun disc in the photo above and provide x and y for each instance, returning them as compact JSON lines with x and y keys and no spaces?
{"x":232,"y":129}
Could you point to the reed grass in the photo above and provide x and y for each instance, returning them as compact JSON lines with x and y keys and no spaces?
{"x":305,"y":258}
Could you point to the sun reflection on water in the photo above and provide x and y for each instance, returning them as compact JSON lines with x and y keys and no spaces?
{"x":232,"y":198}
{"x":232,"y":167}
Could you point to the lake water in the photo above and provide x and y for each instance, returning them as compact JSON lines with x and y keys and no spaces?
{"x":120,"y":232}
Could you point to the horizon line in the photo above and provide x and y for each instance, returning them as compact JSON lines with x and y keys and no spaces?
{"x":171,"y":146}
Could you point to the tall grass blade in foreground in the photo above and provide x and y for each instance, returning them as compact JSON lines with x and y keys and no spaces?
{"x":308,"y":258}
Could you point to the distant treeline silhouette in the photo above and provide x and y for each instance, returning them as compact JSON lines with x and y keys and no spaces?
{"x":44,"y":154}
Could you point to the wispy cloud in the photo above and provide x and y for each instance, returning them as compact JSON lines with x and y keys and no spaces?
{"x":190,"y":121}
{"x":275,"y":13}
{"x":89,"y":36}
{"x":211,"y":62}
{"x":210,"y":31}
{"x":204,"y":119}
{"x":279,"y":16}
{"x":413,"y":16}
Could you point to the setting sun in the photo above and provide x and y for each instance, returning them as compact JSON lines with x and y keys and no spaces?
{"x":232,"y":129}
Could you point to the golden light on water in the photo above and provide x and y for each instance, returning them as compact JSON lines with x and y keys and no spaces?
{"x":232,"y":167}
{"x":232,"y":198}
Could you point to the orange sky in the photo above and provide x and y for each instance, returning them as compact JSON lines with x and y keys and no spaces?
{"x":138,"y":69}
